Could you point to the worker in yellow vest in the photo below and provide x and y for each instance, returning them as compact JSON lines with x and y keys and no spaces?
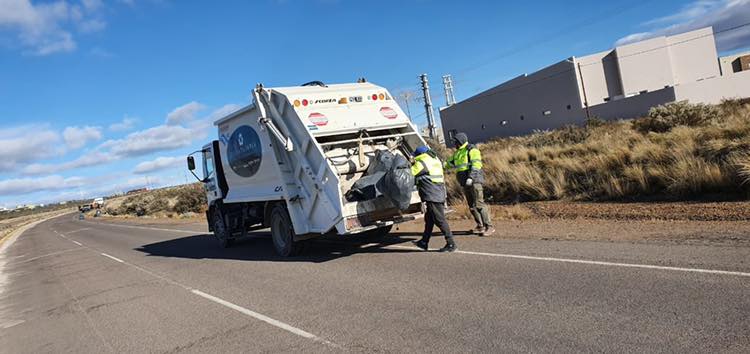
{"x":467,"y":160}
{"x":428,"y":172}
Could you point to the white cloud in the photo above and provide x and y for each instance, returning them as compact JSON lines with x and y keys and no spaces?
{"x":20,"y":186}
{"x":127,"y":123}
{"x":184,"y":113}
{"x":158,"y":164}
{"x":25,"y":144}
{"x":139,"y":143}
{"x":46,"y":28}
{"x":77,"y":137}
{"x":721,"y":14}
{"x":154,"y":139}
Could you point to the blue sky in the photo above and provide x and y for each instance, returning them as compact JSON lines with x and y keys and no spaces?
{"x":104,"y":96}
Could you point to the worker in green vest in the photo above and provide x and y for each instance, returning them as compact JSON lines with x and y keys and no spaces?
{"x":467,"y":160}
{"x":428,"y":172}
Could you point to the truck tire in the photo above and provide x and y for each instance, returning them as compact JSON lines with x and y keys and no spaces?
{"x":282,"y":233}
{"x":220,"y":229}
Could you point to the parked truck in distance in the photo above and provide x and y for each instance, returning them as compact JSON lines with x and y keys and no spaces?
{"x":288,"y":160}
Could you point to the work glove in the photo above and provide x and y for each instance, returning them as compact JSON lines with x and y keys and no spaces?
{"x":469,"y":182}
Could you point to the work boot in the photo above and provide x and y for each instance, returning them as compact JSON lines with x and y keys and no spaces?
{"x":421,"y":244}
{"x":449,"y":248}
{"x":489,"y":230}
{"x":478,"y":230}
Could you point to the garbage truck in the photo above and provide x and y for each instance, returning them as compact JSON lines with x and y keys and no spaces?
{"x":308,"y":161}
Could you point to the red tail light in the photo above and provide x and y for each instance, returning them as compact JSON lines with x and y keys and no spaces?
{"x":318,"y":119}
{"x":388,"y":112}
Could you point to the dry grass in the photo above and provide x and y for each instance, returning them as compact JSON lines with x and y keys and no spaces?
{"x":169,"y":202}
{"x":679,"y":151}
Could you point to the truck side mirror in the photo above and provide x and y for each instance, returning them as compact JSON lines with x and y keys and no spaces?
{"x":191,"y":163}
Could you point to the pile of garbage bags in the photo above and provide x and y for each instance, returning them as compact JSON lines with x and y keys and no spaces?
{"x":388,"y":176}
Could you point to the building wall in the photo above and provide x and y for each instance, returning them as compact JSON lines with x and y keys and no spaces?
{"x":714,"y":90}
{"x":644,"y":66}
{"x":693,"y":56}
{"x":601,"y":77}
{"x":731,"y":64}
{"x":519,"y":107}
{"x":633,"y":106}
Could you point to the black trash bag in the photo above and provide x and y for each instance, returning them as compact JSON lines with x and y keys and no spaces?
{"x":364,"y":188}
{"x":398,"y":183}
{"x":389,"y":175}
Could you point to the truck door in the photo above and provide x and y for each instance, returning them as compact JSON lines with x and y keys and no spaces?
{"x":209,"y":174}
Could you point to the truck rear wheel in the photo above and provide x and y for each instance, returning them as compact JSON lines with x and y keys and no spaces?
{"x":282,"y":233}
{"x":220,"y":230}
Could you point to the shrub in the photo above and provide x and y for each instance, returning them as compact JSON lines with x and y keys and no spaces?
{"x":703,"y":149}
{"x":665,"y":117}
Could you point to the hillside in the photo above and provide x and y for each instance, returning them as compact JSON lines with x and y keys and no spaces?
{"x":679,"y":152}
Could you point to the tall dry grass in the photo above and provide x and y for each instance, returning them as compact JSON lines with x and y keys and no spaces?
{"x":680,"y":151}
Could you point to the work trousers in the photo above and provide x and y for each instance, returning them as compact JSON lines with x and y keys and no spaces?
{"x":435,"y":215}
{"x":479,"y":210}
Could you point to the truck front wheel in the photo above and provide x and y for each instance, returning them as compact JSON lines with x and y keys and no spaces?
{"x":282,"y":232}
{"x":220,"y":229}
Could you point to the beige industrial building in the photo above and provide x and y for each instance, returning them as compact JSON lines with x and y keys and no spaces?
{"x":624,"y":82}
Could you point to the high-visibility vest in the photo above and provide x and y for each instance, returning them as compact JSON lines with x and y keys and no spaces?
{"x":428,"y":168}
{"x":465,"y":158}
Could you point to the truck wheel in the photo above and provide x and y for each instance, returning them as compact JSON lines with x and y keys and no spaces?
{"x":282,"y":233}
{"x":220,"y":230}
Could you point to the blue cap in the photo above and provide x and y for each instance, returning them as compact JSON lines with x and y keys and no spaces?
{"x":421,"y":150}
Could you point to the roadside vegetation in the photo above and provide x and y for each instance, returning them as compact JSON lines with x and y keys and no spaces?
{"x":679,"y":151}
{"x":181,"y":201}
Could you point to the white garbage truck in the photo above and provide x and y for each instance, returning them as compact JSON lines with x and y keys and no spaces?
{"x":290,"y":160}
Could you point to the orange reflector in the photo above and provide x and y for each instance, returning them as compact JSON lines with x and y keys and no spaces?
{"x":381,"y":96}
{"x":343,"y":100}
{"x":296,"y":103}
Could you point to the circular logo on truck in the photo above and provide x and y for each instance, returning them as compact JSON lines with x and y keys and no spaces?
{"x":244,"y":151}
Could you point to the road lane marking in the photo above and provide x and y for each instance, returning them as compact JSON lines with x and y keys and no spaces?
{"x":253,"y":314}
{"x":263,"y":318}
{"x":602,"y":263}
{"x":76,"y":242}
{"x":115,"y":258}
{"x":48,"y":255}
{"x":79,"y":230}
{"x":147,"y":228}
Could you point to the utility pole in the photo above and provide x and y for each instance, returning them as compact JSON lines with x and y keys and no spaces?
{"x":428,"y":106}
{"x":450,"y":99}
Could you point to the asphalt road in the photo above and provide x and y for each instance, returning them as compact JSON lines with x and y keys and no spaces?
{"x":83,"y":286}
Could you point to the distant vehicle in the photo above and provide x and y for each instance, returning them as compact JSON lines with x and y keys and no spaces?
{"x":84,"y":207}
{"x":288,"y":160}
{"x":81,"y":217}
{"x":97,"y":203}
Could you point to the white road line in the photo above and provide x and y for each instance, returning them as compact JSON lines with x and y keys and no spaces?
{"x":148,"y":228}
{"x":262,"y":317}
{"x":79,"y":230}
{"x":115,"y":258}
{"x":602,"y":263}
{"x":76,"y":242}
{"x":48,"y":255}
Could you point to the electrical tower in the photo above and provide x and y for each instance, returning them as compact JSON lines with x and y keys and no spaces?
{"x":450,"y":98}
{"x":428,"y":107}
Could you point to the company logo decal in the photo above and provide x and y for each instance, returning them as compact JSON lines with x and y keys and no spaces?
{"x":244,"y":151}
